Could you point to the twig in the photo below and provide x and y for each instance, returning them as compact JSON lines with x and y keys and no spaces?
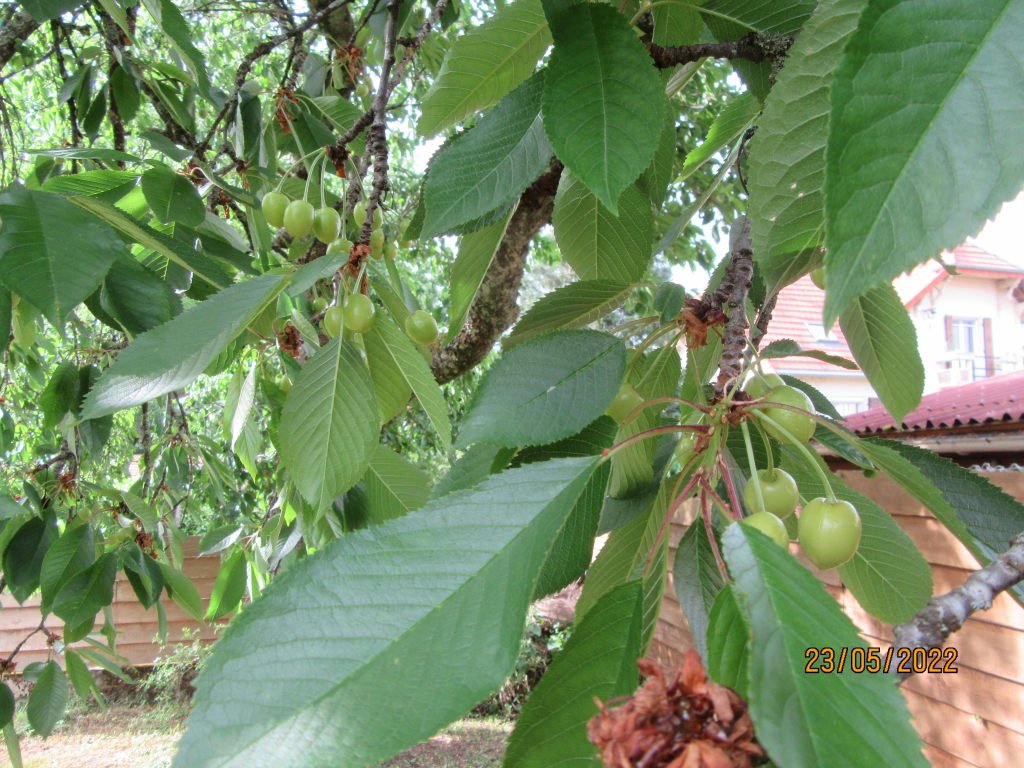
{"x":945,"y":614}
{"x":6,"y":663}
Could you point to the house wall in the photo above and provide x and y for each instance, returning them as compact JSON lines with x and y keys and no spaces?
{"x":968,"y":297}
{"x":137,"y":627}
{"x":972,"y":718}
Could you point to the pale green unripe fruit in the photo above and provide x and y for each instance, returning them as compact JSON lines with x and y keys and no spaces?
{"x":770,"y":525}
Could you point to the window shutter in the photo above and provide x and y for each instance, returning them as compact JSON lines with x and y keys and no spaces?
{"x":949,"y":332}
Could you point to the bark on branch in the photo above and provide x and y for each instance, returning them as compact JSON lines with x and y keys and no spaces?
{"x":731,"y":296}
{"x":495,"y":308}
{"x":13,"y":32}
{"x":753,"y":47}
{"x":945,"y":614}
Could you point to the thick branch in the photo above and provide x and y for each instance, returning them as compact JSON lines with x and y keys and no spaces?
{"x":13,"y":32}
{"x":731,"y":296}
{"x":495,"y":310}
{"x":753,"y":47}
{"x":945,"y":614}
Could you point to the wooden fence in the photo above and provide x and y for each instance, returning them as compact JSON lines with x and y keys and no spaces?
{"x":972,"y":718}
{"x":137,"y":628}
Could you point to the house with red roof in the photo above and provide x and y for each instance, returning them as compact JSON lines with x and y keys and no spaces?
{"x":967,"y":306}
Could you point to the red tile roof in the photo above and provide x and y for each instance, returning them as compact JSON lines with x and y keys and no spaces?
{"x":998,"y":399}
{"x":801,"y":303}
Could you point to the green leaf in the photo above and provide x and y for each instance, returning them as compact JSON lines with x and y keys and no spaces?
{"x":407,"y":607}
{"x":787,"y":154}
{"x":86,"y":153}
{"x":571,"y":306}
{"x":489,"y":166}
{"x":604,"y":128}
{"x":13,"y":747}
{"x":728,"y":643}
{"x":176,"y":353}
{"x":143,"y":573}
{"x":598,"y":662}
{"x":883,"y":340}
{"x":6,"y":705}
{"x":729,"y":125}
{"x":123,"y":89}
{"x":328,"y":424}
{"x":172,"y":197}
{"x":781,"y":17}
{"x":219,"y":539}
{"x":546,"y":389}
{"x":676,"y":23}
{"x":107,"y":185}
{"x":40,"y":262}
{"x":24,"y":553}
{"x":810,"y":720}
{"x":662,"y":171}
{"x":484,"y":64}
{"x":789,"y":348}
{"x":698,"y":581}
{"x":597,"y":243}
{"x":181,"y":589}
{"x":136,"y":298}
{"x":44,"y":10}
{"x":80,"y":676}
{"x":390,"y":388}
{"x":472,"y":468}
{"x":476,"y":253}
{"x":172,"y":249}
{"x":983,"y":516}
{"x":656,"y":375}
{"x":171,"y":22}
{"x":6,"y":310}
{"x":85,"y":594}
{"x":888,"y":574}
{"x":394,"y":487}
{"x":229,"y":587}
{"x":409,"y":362}
{"x":61,"y":394}
{"x":72,"y":553}
{"x":914,"y":170}
{"x":48,"y":700}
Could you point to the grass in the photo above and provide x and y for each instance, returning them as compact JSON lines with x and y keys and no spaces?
{"x":145,"y":737}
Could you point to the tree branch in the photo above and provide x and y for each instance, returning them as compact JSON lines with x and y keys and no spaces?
{"x":495,"y":310}
{"x":731,"y":296}
{"x":753,"y":47}
{"x":13,"y":32}
{"x":945,"y":614}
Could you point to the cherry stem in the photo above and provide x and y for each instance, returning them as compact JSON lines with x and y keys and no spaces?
{"x":753,"y":466}
{"x":658,"y":400}
{"x":731,"y":513}
{"x":653,"y":432}
{"x":638,"y":322}
{"x":767,"y":448}
{"x":673,"y":508}
{"x":709,"y":528}
{"x":813,"y":461}
{"x":651,"y":338}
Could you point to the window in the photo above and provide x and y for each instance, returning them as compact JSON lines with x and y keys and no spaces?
{"x":969,"y":342}
{"x":849,"y":407}
{"x":821,"y":335}
{"x":966,"y":336}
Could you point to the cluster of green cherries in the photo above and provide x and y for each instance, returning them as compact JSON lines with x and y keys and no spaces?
{"x":300,"y":220}
{"x":828,"y":529}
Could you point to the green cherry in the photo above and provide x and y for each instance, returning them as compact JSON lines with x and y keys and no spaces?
{"x":421,"y":328}
{"x":799,"y":425}
{"x":829,"y":532}
{"x":274,"y":204}
{"x":359,"y":311}
{"x":298,"y":218}
{"x":818,"y":277}
{"x":770,"y":525}
{"x":327,"y":225}
{"x":778,"y":490}
{"x":334,"y":320}
{"x":758,"y":385}
{"x":625,"y":402}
